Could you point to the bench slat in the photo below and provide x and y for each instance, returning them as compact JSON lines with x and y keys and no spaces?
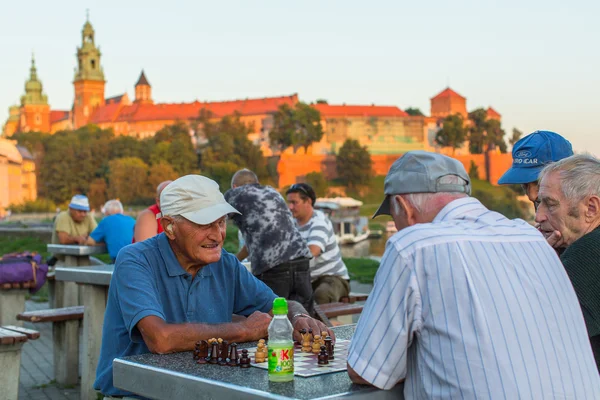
{"x":30,"y":333}
{"x":338,"y":309}
{"x":10,"y":337}
{"x":52,"y":315}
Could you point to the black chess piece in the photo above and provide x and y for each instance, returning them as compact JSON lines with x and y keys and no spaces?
{"x":201,"y":352}
{"x":329,"y":347}
{"x":214,"y":353}
{"x":233,"y":360}
{"x":323,"y":358}
{"x":245,"y":360}
{"x":223,"y":352}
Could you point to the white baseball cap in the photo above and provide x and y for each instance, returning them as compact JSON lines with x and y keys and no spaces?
{"x":196,"y":198}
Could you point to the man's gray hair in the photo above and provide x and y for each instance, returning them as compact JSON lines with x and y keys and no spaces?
{"x":424,"y":202}
{"x":580,"y":176}
{"x":112,"y":207}
{"x":243,"y":177}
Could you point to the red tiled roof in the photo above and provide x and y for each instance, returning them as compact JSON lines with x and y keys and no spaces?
{"x":58,"y":115}
{"x":114,"y":99}
{"x":447,"y":93}
{"x":183,"y":111}
{"x":327,"y":110}
{"x":492,"y":112}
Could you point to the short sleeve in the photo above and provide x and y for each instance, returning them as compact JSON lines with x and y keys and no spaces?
{"x":251,"y":294}
{"x":92,"y":223}
{"x":136,"y":291}
{"x":62,"y":223}
{"x":318,"y":234}
{"x":388,"y":323}
{"x":99,"y":234}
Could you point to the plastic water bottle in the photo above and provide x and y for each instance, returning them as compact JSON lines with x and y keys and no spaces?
{"x":281,"y":344}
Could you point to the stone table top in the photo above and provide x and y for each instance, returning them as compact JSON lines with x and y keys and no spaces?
{"x":75,"y":250}
{"x":177,"y":375}
{"x":93,"y":275}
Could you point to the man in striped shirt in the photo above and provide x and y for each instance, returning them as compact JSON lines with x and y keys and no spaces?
{"x":467,"y":303}
{"x":328,"y":273}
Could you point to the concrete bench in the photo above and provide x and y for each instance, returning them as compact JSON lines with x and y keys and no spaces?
{"x":11,"y":340}
{"x":12,"y":301}
{"x":335,"y":310}
{"x":65,"y":337}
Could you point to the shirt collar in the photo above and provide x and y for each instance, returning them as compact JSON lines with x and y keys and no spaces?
{"x":171,"y":262}
{"x":459,"y":209}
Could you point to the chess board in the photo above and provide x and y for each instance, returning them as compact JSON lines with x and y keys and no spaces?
{"x":305,"y":364}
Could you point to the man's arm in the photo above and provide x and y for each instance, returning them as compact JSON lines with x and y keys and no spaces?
{"x":301,"y":320}
{"x":65,"y":238}
{"x":163,"y":338}
{"x":356,"y":378}
{"x":315,"y":250}
{"x":243,"y":253}
{"x":91,"y":242}
{"x":145,"y":226}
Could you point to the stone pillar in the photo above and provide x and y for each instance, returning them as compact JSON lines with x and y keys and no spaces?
{"x":12,"y":302}
{"x":10,"y":362}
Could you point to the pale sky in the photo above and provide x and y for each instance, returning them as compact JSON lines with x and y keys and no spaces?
{"x":535,"y":62}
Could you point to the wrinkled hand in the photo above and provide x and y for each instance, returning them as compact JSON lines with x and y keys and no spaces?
{"x":81,"y":240}
{"x":257,"y":326}
{"x":307,"y":323}
{"x":553,"y":238}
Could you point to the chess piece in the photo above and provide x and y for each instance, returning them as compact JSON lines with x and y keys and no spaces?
{"x":323,"y":358}
{"x":316,"y":346}
{"x":214,"y":353}
{"x":261,"y":352}
{"x":202,"y":349}
{"x":245,"y":360}
{"x":329,"y":347}
{"x":306,"y":345}
{"x":223,"y":352}
{"x":324,"y":335}
{"x":233,"y":356}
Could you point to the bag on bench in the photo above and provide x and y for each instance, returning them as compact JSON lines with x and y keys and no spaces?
{"x":23,"y":267}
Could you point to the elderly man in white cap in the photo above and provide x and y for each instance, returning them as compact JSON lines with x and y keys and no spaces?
{"x":75,"y":225}
{"x":179,"y":287}
{"x":467,"y":303}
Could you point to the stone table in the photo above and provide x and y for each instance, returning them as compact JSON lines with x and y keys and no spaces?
{"x":177,"y":376}
{"x":12,"y":302}
{"x":94,"y":281}
{"x":66,"y":294}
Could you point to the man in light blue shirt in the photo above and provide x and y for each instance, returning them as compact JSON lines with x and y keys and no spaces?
{"x":467,"y":303}
{"x":179,"y":287}
{"x":115,"y":229}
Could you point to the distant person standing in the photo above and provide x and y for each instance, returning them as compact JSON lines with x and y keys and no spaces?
{"x":278,"y":255}
{"x":329,"y":275}
{"x":115,"y":229}
{"x":148,"y":222}
{"x":75,"y":225}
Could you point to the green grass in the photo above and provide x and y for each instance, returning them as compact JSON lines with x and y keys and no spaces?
{"x":362,"y":270}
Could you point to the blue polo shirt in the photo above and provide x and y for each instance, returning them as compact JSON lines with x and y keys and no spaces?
{"x":148,"y":280}
{"x":116,"y":231}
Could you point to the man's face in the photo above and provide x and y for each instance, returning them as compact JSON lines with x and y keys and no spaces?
{"x":77,"y":215}
{"x":532,"y":190}
{"x":300,"y":208}
{"x":555,"y":212}
{"x":200,"y":243}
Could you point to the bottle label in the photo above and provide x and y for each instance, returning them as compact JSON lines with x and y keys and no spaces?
{"x":281,"y":360}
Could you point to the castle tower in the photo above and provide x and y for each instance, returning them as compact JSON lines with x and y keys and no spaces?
{"x":143,"y":90}
{"x":448,"y":102}
{"x":35,"y":111}
{"x":13,"y":121}
{"x":89,"y":78}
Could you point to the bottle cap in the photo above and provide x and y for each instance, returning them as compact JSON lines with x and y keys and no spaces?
{"x":280,"y":306}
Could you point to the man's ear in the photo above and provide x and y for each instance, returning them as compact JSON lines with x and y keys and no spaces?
{"x":408,"y":210}
{"x":592,"y":211}
{"x":167,"y":225}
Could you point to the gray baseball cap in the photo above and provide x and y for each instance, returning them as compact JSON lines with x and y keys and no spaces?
{"x":419,"y":172}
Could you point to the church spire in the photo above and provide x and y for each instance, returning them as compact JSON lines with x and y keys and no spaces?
{"x":33,"y":87}
{"x":88,"y":56}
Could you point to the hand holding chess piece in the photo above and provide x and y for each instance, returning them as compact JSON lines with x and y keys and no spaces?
{"x":306,"y":345}
{"x":261,"y":352}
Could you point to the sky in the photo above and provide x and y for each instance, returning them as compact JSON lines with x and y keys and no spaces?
{"x":536,"y":62}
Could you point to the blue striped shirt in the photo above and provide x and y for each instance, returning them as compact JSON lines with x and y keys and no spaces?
{"x":474,"y":305}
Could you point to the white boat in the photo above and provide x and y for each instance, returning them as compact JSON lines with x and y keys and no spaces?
{"x":344,"y":213}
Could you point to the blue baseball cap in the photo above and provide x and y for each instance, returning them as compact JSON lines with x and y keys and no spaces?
{"x":532,"y":153}
{"x":80,"y":202}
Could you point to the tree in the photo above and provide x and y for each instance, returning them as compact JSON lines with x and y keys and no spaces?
{"x":321,"y":101}
{"x":318,"y":182}
{"x":354,"y":164}
{"x":473,"y":170}
{"x":183,"y":157}
{"x":160,"y":172}
{"x":413,"y":111}
{"x":128,"y":179}
{"x":495,"y":136}
{"x":516,"y":136}
{"x":169,"y":133}
{"x":485,"y":134}
{"x":228,"y":148}
{"x":453,"y":132}
{"x":97,"y":193}
{"x":297,"y":127}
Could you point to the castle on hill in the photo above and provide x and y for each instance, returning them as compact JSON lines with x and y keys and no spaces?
{"x":385,"y":130}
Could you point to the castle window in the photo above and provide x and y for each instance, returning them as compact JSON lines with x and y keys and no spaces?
{"x":38,"y":119}
{"x":93,"y":64}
